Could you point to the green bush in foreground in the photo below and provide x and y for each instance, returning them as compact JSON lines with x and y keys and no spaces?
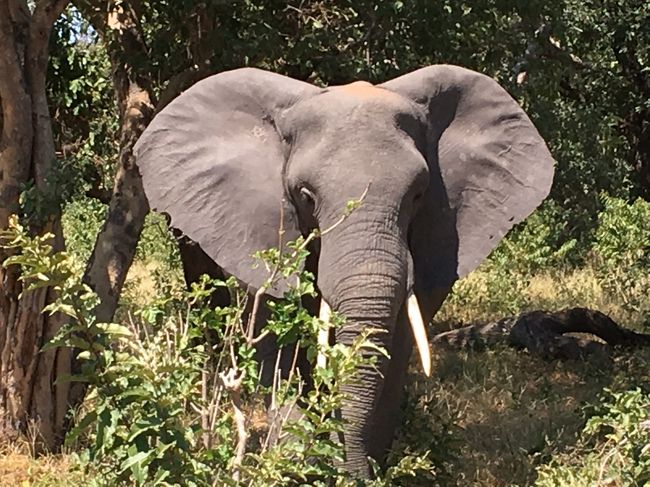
{"x":166,"y":407}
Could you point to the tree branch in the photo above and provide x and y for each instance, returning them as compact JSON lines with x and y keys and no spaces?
{"x":116,"y":243}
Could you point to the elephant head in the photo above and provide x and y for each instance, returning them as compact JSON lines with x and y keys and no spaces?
{"x":445,"y":158}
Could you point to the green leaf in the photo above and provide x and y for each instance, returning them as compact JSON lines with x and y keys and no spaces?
{"x":137,"y":458}
{"x":115,"y":330}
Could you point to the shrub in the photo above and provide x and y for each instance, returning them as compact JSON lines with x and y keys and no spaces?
{"x":615,"y":449}
{"x":165,"y":407}
{"x":623,"y":234}
{"x":622,"y":252}
{"x":537,"y":243}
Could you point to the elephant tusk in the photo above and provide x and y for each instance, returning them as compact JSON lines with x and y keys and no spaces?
{"x":323,"y":335}
{"x":419,"y":332}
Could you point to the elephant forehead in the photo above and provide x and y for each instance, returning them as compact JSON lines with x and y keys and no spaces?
{"x":363,"y":89}
{"x":340,"y":105}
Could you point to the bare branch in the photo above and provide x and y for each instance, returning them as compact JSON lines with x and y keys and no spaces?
{"x":232,"y":382}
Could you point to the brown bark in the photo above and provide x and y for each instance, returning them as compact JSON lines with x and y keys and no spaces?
{"x":546,"y":334}
{"x":120,"y":28}
{"x":116,"y":243}
{"x":28,"y":393}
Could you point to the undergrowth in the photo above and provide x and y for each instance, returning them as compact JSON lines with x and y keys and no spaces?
{"x":166,"y":403}
{"x":500,"y":417}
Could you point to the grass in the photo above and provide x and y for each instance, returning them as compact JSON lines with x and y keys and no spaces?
{"x":506,"y":411}
{"x":491,"y":418}
{"x":18,"y":468}
{"x":489,"y":294}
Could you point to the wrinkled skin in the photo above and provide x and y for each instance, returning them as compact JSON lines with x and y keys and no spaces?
{"x":447,"y":162}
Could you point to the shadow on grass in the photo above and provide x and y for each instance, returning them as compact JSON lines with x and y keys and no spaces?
{"x":491,"y":417}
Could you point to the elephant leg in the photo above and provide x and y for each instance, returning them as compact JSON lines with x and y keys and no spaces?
{"x":196,"y":263}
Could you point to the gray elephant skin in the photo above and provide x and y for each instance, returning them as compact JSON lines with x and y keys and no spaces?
{"x":448,"y":163}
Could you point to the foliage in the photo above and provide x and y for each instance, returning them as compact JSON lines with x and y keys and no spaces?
{"x":616,"y":448}
{"x":526,"y":272}
{"x":149,"y":419}
{"x":83,"y":110}
{"x":622,"y":252}
{"x":538,"y":243}
{"x":41,"y":267}
{"x":623,"y":235}
{"x":577,"y":67}
{"x":82,"y":220}
{"x":567,"y":62}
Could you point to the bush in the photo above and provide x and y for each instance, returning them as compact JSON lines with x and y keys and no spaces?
{"x":615,"y":449}
{"x":82,"y":220}
{"x":621,"y":253}
{"x":623,"y":235}
{"x":167,"y":408}
{"x":537,"y":243}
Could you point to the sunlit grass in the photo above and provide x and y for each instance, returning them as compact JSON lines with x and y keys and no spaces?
{"x":19,"y":468}
{"x":507,"y":412}
{"x":490,"y":294}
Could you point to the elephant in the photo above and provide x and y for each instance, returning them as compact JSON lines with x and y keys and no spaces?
{"x":446,"y":160}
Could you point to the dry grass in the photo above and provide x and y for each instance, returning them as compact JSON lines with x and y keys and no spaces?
{"x":507,"y":411}
{"x":490,"y":418}
{"x":18,"y":468}
{"x":486,"y":294}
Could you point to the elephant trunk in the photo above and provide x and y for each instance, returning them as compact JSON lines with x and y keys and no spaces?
{"x":367,"y":285}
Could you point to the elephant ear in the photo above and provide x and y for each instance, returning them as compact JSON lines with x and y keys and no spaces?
{"x":489,"y":169}
{"x":212,"y":160}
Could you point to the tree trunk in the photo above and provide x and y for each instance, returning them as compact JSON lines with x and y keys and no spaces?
{"x":119,"y":25}
{"x":116,"y":243}
{"x":29,"y":398}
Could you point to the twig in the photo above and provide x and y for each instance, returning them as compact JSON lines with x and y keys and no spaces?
{"x":233,"y":357}
{"x":205,"y":409}
{"x":252,"y":319}
{"x":294,"y":361}
{"x":232,"y":383}
{"x":262,"y":290}
{"x":259,"y":338}
{"x":276,"y":428}
{"x":274,"y":386}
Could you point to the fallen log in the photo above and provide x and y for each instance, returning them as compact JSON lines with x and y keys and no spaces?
{"x":548,"y":334}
